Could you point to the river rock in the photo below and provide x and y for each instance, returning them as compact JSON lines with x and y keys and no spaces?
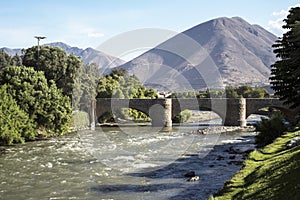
{"x":193,"y":179}
{"x":190,"y":174}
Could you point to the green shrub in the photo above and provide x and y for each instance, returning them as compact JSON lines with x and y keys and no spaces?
{"x":15,"y":125}
{"x":182,"y":117}
{"x":107,"y":117}
{"x":270,"y":129}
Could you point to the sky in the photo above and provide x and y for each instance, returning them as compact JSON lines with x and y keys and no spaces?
{"x":89,"y":23}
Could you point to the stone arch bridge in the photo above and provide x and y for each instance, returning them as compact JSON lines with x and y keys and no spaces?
{"x":233,"y":112}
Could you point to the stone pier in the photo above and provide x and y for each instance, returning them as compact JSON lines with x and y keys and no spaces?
{"x":235,"y":112}
{"x":161,"y":114}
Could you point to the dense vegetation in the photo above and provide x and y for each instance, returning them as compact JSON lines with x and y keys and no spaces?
{"x":228,"y":92}
{"x":182,"y":117}
{"x":15,"y":124}
{"x":84,"y":91}
{"x":119,"y":84}
{"x":36,"y":99}
{"x":270,"y":129}
{"x":6,"y":60}
{"x":44,"y":103}
{"x":56,"y":65}
{"x":285,"y":72}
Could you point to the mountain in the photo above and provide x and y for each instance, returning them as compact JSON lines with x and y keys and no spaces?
{"x":222,"y":51}
{"x":87,"y":55}
{"x":11,"y":52}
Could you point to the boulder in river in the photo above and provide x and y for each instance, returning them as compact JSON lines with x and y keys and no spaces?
{"x":190,"y":174}
{"x":193,"y":179}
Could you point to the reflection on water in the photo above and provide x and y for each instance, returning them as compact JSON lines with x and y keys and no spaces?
{"x":119,"y":163}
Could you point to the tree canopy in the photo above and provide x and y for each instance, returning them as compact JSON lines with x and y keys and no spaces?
{"x":285,"y":73}
{"x":4,"y":59}
{"x":56,"y":65}
{"x":44,"y":103}
{"x":229,"y":92}
{"x":15,"y":124}
{"x":119,"y":84}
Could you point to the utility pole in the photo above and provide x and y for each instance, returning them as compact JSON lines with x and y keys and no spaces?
{"x":38,"y":43}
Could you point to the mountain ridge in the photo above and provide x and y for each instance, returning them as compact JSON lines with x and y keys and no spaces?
{"x":241,"y":52}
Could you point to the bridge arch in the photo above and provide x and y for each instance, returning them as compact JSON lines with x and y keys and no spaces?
{"x":253,"y":105}
{"x":159,"y":110}
{"x":215,"y":105}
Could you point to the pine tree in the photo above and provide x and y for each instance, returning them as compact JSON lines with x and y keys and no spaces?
{"x":285,"y":72}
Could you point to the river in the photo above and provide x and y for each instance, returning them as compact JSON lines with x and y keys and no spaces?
{"x":121,"y":163}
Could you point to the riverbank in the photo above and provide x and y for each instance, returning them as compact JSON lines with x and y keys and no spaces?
{"x":269,"y":173}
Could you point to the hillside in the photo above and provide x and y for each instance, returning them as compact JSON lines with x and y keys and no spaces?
{"x":234,"y":53}
{"x":87,"y":55}
{"x":269,"y":173}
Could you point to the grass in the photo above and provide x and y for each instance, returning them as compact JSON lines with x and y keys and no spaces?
{"x":270,"y":173}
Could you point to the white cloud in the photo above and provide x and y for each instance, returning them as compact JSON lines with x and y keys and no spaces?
{"x":275,"y":25}
{"x":280,"y":13}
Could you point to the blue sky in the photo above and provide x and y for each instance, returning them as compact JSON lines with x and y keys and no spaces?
{"x":88,"y":23}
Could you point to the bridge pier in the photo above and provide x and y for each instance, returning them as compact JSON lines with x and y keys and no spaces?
{"x":161,"y":114}
{"x":235,"y":112}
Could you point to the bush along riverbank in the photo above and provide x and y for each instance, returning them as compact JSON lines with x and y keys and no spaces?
{"x":272,"y":172}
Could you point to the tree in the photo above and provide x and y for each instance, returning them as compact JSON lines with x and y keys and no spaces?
{"x":4,"y":59}
{"x":16,"y":61}
{"x":270,"y":129}
{"x":15,"y":125}
{"x":119,"y":84}
{"x":231,"y":92}
{"x":285,"y":73}
{"x":85,"y":86}
{"x":44,"y":103}
{"x":55,"y":64}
